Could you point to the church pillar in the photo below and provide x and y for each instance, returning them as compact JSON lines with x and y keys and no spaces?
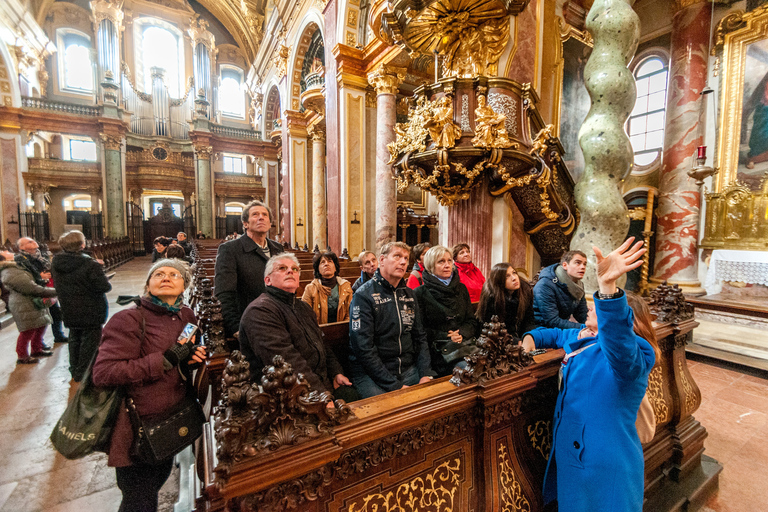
{"x":95,"y":194}
{"x":471,"y":222}
{"x":38,"y":196}
{"x":319,"y":211}
{"x":386,"y":81}
{"x":204,"y":188}
{"x":114,"y":223}
{"x":295,"y":177}
{"x":679,"y":199}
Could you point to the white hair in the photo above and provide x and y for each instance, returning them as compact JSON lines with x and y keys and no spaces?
{"x":277,"y":257}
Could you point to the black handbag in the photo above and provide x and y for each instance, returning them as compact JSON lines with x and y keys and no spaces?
{"x":158,"y":437}
{"x":86,"y":425}
{"x":453,"y":352}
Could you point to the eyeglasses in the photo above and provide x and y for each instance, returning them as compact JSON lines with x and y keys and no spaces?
{"x":285,"y":268}
{"x":162,"y":275}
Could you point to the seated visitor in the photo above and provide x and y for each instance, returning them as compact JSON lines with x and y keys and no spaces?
{"x":181,"y":237}
{"x":328,"y":295}
{"x":558,"y":297}
{"x":278,"y":323}
{"x":446,"y":311}
{"x":469,"y":274}
{"x":596,"y":463}
{"x":386,"y":337}
{"x":368,"y":265}
{"x":508,"y":297}
{"x":414,"y":280}
{"x":161,"y":245}
{"x":177,"y":252}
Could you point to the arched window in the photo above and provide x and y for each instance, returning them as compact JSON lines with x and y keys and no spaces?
{"x":159,"y":45}
{"x":75,"y":66}
{"x":646,"y":123}
{"x":231,"y":94}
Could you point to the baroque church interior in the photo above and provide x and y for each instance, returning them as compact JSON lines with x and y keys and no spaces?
{"x":523,"y":128}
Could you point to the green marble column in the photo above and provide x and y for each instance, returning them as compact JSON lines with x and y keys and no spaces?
{"x":204,"y":191}
{"x":114,"y":223}
{"x":608,"y":155}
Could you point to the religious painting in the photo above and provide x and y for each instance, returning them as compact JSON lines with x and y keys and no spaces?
{"x":743,"y":125}
{"x":413,"y":197}
{"x":574,"y":98}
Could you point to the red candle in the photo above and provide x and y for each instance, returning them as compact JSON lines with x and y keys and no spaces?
{"x":702,"y":152}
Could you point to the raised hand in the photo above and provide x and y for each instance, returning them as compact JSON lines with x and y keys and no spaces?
{"x":617,"y":263}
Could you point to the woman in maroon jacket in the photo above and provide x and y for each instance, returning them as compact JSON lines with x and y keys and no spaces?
{"x":139,"y":351}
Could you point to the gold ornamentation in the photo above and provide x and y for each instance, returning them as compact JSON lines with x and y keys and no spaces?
{"x":199,"y":33}
{"x":351,"y":39}
{"x":109,"y":10}
{"x":433,"y":493}
{"x":317,"y":133}
{"x":442,"y":128}
{"x":511,"y":496}
{"x":280,"y":60}
{"x":489,"y":127}
{"x":540,"y":435}
{"x":690,"y":396}
{"x":412,"y":136}
{"x":542,"y":140}
{"x":656,"y":395}
{"x":737,"y":218}
{"x":472,"y":36}
{"x":253,"y":18}
{"x":386,"y":79}
{"x":370,"y":100}
{"x":111,"y":142}
{"x":203,"y":151}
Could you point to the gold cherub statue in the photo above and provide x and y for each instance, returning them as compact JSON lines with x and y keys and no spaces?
{"x":443,"y":130}
{"x":489,"y":127}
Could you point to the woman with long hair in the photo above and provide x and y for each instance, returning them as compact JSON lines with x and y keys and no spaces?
{"x":508,"y":297}
{"x":596,"y":463}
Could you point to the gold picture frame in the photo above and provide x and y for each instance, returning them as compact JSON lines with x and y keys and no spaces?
{"x":742,"y":37}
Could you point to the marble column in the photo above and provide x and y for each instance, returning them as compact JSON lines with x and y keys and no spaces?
{"x":677,"y":231}
{"x":221,"y":201}
{"x":38,"y":196}
{"x":386,"y":81}
{"x":204,"y":190}
{"x":114,"y":223}
{"x":319,"y":210}
{"x":607,"y":150}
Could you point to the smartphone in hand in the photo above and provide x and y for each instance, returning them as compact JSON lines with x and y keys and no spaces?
{"x":189,"y":330}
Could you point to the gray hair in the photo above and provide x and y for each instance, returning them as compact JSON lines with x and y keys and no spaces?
{"x":363,"y":255}
{"x":432,"y":255}
{"x":277,"y":257}
{"x":72,"y":241}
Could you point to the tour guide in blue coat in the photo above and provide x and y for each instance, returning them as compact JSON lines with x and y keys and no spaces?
{"x":596,"y":462}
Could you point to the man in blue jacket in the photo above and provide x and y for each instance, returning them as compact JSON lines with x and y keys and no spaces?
{"x":386,"y":336}
{"x":558,"y":297}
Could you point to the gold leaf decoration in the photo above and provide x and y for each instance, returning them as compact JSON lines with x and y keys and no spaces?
{"x":656,"y":395}
{"x":512,"y":497}
{"x":540,"y":435}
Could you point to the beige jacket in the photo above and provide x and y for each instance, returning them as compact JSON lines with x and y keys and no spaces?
{"x":316,"y":295}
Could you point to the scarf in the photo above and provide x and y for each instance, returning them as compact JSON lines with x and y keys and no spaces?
{"x":174,"y":308}
{"x":576,"y":290}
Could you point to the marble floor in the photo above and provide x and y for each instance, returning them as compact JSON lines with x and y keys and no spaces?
{"x":33,"y":477}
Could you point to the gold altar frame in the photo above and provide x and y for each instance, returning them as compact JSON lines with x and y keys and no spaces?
{"x":734,"y":33}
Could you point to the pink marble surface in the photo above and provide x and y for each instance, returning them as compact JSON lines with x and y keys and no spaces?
{"x":470,"y":222}
{"x":523,"y":64}
{"x":285,"y":193}
{"x":333,"y":178}
{"x":518,"y":240}
{"x":386,"y":197}
{"x":679,"y":198}
{"x":319,"y":211}
{"x":9,"y":171}
{"x":272,"y":193}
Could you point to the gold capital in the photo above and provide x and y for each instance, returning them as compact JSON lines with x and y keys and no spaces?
{"x":111,"y":142}
{"x":203,"y":151}
{"x":317,"y":133}
{"x":386,"y":79}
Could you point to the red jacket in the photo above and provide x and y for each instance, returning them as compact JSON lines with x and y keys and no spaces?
{"x":415,"y":280}
{"x":472,"y":278}
{"x":124,"y":360}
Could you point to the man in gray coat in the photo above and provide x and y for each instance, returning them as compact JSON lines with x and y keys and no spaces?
{"x":28,"y":308}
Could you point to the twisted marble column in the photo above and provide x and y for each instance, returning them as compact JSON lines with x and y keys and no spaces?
{"x":386,"y":80}
{"x":608,"y":155}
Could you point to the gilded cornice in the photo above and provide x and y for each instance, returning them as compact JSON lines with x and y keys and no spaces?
{"x":296,"y":123}
{"x":111,"y":141}
{"x":203,"y":151}
{"x":350,"y":67}
{"x":386,"y":79}
{"x":317,"y":132}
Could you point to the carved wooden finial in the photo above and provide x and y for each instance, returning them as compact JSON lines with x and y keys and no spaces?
{"x":669,"y":305}
{"x":249,"y":422}
{"x":499,"y":354}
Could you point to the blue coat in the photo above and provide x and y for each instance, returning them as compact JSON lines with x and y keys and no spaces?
{"x":596,"y":462}
{"x":553,"y":305}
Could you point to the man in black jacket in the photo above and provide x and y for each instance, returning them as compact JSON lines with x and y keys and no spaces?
{"x":239,"y":277}
{"x":81,"y":286}
{"x":368,"y":265}
{"x":386,"y":336}
{"x":278,"y":323}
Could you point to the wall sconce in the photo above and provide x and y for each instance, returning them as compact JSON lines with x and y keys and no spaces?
{"x":299,"y":224}
{"x":354,"y":220}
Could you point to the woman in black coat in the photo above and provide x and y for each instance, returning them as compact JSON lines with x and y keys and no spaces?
{"x":508,"y":297}
{"x":446,"y":311}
